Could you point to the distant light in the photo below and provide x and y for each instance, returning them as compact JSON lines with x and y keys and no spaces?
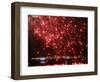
{"x":42,"y":58}
{"x":42,"y":62}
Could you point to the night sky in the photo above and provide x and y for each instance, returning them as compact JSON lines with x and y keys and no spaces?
{"x":57,"y":40}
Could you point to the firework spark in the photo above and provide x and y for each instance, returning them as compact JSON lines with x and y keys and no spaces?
{"x":57,"y":40}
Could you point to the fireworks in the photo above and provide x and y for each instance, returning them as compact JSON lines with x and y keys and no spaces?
{"x":57,"y":40}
